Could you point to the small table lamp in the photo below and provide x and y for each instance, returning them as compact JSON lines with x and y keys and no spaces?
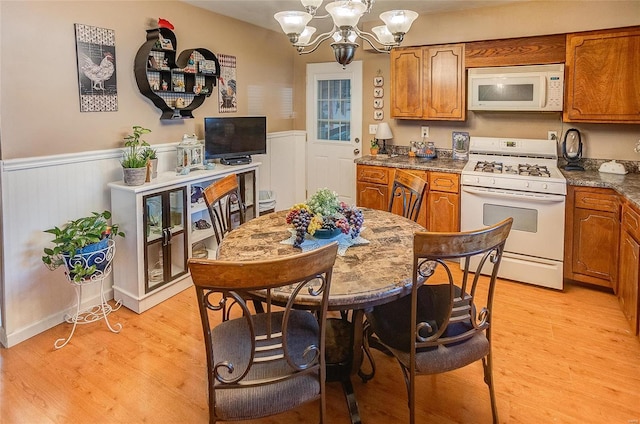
{"x":384,"y":133}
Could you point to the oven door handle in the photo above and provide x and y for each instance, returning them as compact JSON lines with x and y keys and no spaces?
{"x":515,"y":195}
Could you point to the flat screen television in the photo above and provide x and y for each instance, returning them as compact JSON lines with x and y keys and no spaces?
{"x":234,"y":139}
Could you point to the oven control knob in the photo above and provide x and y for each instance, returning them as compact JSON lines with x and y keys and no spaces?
{"x":545,"y":186}
{"x":526,"y":184}
{"x":493,"y":180}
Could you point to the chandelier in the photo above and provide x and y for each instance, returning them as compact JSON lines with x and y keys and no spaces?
{"x":345,"y":15}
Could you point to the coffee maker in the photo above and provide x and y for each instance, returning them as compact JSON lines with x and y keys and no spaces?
{"x":572,"y":150}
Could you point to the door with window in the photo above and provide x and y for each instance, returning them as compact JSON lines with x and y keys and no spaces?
{"x":334,"y":126}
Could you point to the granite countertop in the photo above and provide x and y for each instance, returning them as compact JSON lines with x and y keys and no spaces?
{"x":627,"y":185}
{"x":439,"y":164}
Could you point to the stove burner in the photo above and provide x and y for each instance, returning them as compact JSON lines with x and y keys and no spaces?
{"x":520,"y":169}
{"x":484,"y":166}
{"x":533,"y":170}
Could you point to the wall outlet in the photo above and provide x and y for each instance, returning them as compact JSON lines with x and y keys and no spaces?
{"x":552,"y":135}
{"x":424,"y":131}
{"x":373,"y":128}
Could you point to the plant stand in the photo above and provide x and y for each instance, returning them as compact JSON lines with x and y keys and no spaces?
{"x":103,"y":259}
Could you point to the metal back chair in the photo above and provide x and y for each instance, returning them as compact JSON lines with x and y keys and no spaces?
{"x":445,"y":324}
{"x":410,"y":188}
{"x":262,"y":364}
{"x":222,"y":197}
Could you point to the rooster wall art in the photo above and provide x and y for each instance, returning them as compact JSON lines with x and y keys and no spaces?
{"x":100,"y":73}
{"x":96,"y":55}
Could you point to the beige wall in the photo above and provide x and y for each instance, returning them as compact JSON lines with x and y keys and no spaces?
{"x":513,"y":20}
{"x":39,"y":83}
{"x":39,"y":86}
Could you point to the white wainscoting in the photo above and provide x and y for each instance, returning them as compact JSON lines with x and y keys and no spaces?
{"x":42,"y":192}
{"x":283,"y":168}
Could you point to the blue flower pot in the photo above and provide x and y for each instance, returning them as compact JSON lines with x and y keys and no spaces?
{"x":93,"y":254}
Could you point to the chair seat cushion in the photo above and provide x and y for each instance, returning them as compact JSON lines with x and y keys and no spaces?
{"x":446,"y":358}
{"x":390,"y":322}
{"x":231,"y":341}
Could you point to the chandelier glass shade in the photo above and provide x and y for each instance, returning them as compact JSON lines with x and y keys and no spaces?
{"x":345,"y":15}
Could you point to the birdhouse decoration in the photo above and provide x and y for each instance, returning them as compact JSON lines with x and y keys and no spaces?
{"x":190,"y":154}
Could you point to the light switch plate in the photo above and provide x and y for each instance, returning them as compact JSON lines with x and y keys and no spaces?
{"x":373,"y":128}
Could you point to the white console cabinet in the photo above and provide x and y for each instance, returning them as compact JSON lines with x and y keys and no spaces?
{"x":165,"y":222}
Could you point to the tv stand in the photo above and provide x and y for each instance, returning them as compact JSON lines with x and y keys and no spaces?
{"x":237,"y":160}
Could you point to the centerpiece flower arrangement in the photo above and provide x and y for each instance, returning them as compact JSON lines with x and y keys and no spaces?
{"x":324,"y":211}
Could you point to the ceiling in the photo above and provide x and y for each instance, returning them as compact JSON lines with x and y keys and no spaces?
{"x":260,"y":12}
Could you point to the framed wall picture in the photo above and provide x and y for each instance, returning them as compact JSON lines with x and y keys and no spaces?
{"x":378,"y":81}
{"x":96,"y":60}
{"x":378,"y":103}
{"x":378,"y":92}
{"x":378,"y":114}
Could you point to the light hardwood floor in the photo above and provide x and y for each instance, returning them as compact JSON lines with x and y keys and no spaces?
{"x":559,"y":358}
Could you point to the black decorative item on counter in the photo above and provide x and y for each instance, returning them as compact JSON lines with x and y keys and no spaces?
{"x":572,"y":150}
{"x":176,"y":86}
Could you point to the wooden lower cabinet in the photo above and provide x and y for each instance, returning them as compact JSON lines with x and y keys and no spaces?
{"x":592,"y":238}
{"x":629,"y":276}
{"x":443,"y":202}
{"x":440,"y":210}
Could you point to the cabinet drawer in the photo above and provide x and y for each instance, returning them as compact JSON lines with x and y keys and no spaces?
{"x":603,"y":200}
{"x":443,"y":181}
{"x":373,"y":174}
{"x":631,"y":221}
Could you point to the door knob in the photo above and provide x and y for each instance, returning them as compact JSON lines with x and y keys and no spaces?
{"x":356,"y":151}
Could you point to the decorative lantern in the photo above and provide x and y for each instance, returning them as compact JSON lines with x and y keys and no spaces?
{"x":190,"y":153}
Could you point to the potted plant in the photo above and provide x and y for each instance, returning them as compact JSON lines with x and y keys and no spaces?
{"x":134,"y":163}
{"x":374,"y":147}
{"x":81,"y":245}
{"x":150,"y":155}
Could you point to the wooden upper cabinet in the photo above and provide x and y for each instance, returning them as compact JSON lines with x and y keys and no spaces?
{"x":537,"y":50}
{"x":428,"y":83}
{"x":602,"y":76}
{"x":444,"y":82}
{"x":406,"y":83}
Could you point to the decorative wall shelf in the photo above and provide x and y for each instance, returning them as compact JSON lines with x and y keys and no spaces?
{"x":177,"y":86}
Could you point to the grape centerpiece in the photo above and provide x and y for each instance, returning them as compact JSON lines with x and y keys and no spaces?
{"x":324,"y":211}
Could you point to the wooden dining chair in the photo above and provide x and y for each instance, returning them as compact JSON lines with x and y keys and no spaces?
{"x":221,"y":197}
{"x":445,"y":323}
{"x":410,"y":189}
{"x":263,"y":364}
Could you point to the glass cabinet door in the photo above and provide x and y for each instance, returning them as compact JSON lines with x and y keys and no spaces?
{"x":165,"y":237}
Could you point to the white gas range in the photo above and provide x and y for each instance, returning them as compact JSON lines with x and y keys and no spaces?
{"x":518,"y":178}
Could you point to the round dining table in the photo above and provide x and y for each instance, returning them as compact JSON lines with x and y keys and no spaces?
{"x":376,"y":270}
{"x":366,"y":275}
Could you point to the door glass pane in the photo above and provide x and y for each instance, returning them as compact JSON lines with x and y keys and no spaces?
{"x":177,"y":210}
{"x":155,"y":266}
{"x":334,"y":110}
{"x":153,"y":225}
{"x":178,"y":262}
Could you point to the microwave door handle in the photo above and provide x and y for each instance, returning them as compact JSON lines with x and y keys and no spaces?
{"x":543,"y":91}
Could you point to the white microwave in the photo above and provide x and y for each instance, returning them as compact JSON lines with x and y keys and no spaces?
{"x":516,"y":88}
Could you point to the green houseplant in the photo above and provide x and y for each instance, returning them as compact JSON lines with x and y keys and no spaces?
{"x":87,"y":236}
{"x":134,"y":162}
